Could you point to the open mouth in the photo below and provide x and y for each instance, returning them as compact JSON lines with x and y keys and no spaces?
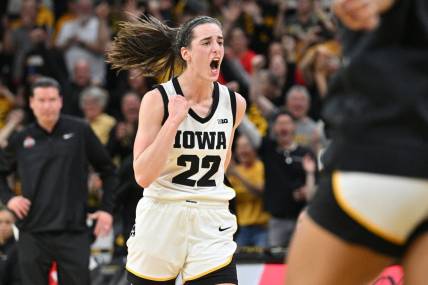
{"x":215,"y":64}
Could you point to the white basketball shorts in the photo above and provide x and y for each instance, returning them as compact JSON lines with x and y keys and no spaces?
{"x":193,"y":238}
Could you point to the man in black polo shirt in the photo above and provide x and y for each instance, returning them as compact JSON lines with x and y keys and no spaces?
{"x":52,"y":157}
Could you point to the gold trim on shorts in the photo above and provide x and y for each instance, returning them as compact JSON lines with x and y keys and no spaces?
{"x":148,"y":277}
{"x":229,"y":260}
{"x":357,"y":216}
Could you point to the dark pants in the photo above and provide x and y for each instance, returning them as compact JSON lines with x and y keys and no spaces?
{"x":70,"y":250}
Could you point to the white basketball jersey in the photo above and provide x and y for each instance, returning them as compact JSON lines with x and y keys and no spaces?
{"x":195,"y":165}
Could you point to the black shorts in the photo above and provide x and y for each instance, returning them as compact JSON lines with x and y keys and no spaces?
{"x":226,"y":274}
{"x":376,"y":221}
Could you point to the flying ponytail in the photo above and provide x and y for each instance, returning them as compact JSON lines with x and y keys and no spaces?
{"x":151,"y":46}
{"x":147,"y":45}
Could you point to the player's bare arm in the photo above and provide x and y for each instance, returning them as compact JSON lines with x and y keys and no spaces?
{"x":154,"y":140}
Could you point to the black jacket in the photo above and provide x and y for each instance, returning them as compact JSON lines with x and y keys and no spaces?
{"x":53,"y":170}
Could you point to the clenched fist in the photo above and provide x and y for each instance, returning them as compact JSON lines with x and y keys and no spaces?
{"x":178,"y":108}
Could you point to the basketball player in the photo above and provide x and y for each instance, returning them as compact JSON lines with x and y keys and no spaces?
{"x":372,"y":204}
{"x":182,"y":148}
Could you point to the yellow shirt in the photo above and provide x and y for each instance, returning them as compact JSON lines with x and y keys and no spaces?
{"x":5,"y":107}
{"x":102,"y":126}
{"x":249,"y":208}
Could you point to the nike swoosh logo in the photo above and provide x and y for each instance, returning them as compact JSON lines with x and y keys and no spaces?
{"x":68,"y":136}
{"x":223,"y":229}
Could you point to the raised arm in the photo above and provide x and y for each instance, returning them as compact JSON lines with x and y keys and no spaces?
{"x":264,"y":104}
{"x":154,"y":140}
{"x":250,"y":130}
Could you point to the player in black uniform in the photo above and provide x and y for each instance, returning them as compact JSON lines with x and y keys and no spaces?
{"x":372,"y":203}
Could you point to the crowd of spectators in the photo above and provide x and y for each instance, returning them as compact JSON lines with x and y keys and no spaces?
{"x":279,"y":54}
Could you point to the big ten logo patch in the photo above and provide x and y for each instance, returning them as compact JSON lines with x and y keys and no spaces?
{"x":132,"y":234}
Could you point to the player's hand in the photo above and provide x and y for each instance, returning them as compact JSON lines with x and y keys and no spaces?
{"x":104,"y":222}
{"x":360,"y":14}
{"x":20,"y":206}
{"x":178,"y":108}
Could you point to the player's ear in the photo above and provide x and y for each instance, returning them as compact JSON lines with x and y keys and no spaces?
{"x":185,"y":53}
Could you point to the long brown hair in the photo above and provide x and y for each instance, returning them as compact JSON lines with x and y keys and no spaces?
{"x":151,"y":46}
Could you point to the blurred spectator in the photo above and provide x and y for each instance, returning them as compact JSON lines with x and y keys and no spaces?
{"x":247,"y":178}
{"x":308,"y":25}
{"x":161,"y":9}
{"x":297,"y":102}
{"x":93,"y":100}
{"x":44,"y":15}
{"x":217,"y":7}
{"x":43,"y":59}
{"x":86,"y":37}
{"x":281,"y":62}
{"x":307,"y":133}
{"x":121,"y":138}
{"x":239,"y":50}
{"x":257,"y":20}
{"x":18,"y":40}
{"x":318,"y":65}
{"x":237,"y":60}
{"x":275,"y":48}
{"x":289,"y":175}
{"x":134,"y":82}
{"x":278,"y":67}
{"x":138,"y":83}
{"x":228,"y":12}
{"x":9,"y":270}
{"x":187,"y":9}
{"x":262,"y":82}
{"x":69,"y":15}
{"x":80,"y":79}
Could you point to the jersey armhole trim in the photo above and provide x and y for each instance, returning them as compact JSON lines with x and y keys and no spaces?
{"x":165,"y":102}
{"x":233,"y":105}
